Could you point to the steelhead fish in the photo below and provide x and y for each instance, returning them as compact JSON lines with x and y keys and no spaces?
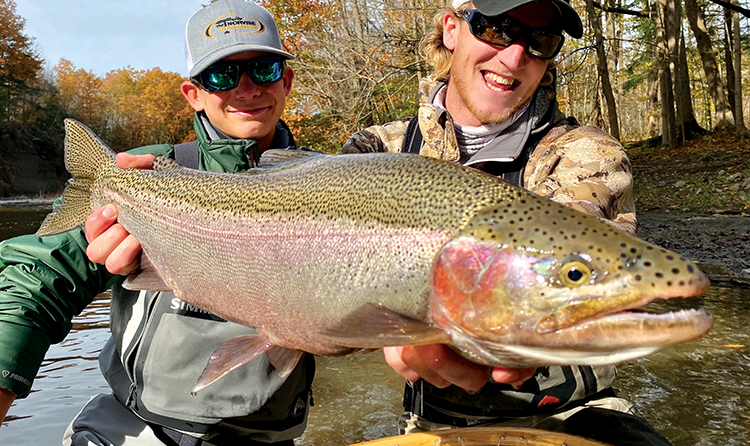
{"x":332,"y":254}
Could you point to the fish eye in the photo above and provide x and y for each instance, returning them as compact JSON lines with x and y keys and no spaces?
{"x":574,"y":273}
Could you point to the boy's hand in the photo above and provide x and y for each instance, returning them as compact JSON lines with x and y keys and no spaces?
{"x":6,"y":399}
{"x":109,"y":243}
{"x":440,"y":366}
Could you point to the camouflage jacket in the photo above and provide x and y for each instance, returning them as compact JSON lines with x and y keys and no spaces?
{"x":582,"y":167}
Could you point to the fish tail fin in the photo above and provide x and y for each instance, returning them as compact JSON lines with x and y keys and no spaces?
{"x":86,"y":158}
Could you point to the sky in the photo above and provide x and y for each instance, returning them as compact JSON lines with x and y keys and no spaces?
{"x":104,"y":35}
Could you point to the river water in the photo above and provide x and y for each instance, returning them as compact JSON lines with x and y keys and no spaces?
{"x":695,"y":394}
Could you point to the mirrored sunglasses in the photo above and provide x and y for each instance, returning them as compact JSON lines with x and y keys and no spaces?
{"x":225,"y":76}
{"x":503,"y":30}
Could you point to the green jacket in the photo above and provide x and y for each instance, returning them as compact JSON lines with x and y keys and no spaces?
{"x":47,"y":281}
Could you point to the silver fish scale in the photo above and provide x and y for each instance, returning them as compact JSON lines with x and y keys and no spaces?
{"x":294,"y":249}
{"x":255,"y":249}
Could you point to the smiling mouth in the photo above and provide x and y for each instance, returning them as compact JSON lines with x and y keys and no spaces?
{"x":253,"y":111}
{"x":496,"y":82}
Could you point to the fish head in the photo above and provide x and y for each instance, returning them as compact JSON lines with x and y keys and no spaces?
{"x":532,"y":283}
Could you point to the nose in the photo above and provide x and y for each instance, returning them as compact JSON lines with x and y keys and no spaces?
{"x":246,"y":87}
{"x":514,"y":56}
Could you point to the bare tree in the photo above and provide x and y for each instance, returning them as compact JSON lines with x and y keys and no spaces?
{"x":739,"y":120}
{"x":710,"y":67}
{"x":595,"y":22}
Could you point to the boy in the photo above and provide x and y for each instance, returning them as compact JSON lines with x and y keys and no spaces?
{"x":238,"y":85}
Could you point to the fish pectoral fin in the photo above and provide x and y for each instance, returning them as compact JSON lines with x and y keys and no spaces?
{"x":230,"y":355}
{"x":283,"y":359}
{"x":375,"y":326}
{"x":147,"y":278}
{"x":162,"y":163}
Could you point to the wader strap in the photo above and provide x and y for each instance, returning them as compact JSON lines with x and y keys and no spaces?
{"x":172,"y":437}
{"x":413,"y":137}
{"x":186,"y":154}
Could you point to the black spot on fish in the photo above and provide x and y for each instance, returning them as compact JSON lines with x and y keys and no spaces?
{"x":659,"y":275}
{"x":675,"y":271}
{"x":690,"y":268}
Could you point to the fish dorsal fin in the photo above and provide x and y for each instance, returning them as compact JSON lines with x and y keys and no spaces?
{"x":273,"y":157}
{"x":147,"y":278}
{"x":284,"y":360}
{"x":230,"y":355}
{"x":375,"y":326}
{"x":162,"y":163}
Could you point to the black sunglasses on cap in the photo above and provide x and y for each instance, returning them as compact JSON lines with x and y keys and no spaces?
{"x":225,"y":76}
{"x":503,"y":30}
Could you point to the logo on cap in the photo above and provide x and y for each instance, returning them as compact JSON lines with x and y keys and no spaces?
{"x":225,"y":24}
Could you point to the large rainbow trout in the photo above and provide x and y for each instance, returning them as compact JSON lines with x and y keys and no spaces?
{"x":332,"y":254}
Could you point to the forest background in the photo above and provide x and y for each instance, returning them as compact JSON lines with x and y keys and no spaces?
{"x":641,"y":67}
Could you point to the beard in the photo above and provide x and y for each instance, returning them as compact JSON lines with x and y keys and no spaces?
{"x":464,"y":89}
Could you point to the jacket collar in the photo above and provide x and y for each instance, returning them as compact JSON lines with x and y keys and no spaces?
{"x":225,"y":154}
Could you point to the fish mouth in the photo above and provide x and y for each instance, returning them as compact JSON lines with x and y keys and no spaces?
{"x":607,"y":340}
{"x":631,"y":304}
{"x":653,"y":321}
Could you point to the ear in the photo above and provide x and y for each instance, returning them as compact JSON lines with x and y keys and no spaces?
{"x":450,"y":30}
{"x":192,"y":94}
{"x":287,"y":79}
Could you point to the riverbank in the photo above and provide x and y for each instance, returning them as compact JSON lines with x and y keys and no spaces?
{"x":695,"y":200}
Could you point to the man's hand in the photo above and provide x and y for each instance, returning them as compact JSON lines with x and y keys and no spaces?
{"x":109,"y":243}
{"x":441,"y":366}
{"x":6,"y":399}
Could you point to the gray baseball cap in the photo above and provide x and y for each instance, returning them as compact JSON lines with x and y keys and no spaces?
{"x":571,"y":21}
{"x":228,"y":27}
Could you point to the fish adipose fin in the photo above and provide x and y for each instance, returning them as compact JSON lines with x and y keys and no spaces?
{"x":162,"y":163}
{"x":85,"y":157}
{"x":230,"y":355}
{"x":147,"y":278}
{"x":373,"y":326}
{"x":277,"y":156}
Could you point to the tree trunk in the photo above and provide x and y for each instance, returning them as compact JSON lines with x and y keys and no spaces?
{"x":710,"y":67}
{"x":690,"y":125}
{"x":669,"y":123}
{"x":672,"y":32}
{"x":594,"y":20}
{"x":365,"y":117}
{"x":728,"y":60}
{"x":739,"y":119}
{"x":613,"y":50}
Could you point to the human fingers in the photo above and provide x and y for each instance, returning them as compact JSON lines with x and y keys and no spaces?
{"x":116,"y":249}
{"x":128,"y":161}
{"x":102,"y":246}
{"x":443,"y":362}
{"x":512,"y":376}
{"x":394,"y":358}
{"x":99,"y":221}
{"x":125,"y":258}
{"x":409,"y":364}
